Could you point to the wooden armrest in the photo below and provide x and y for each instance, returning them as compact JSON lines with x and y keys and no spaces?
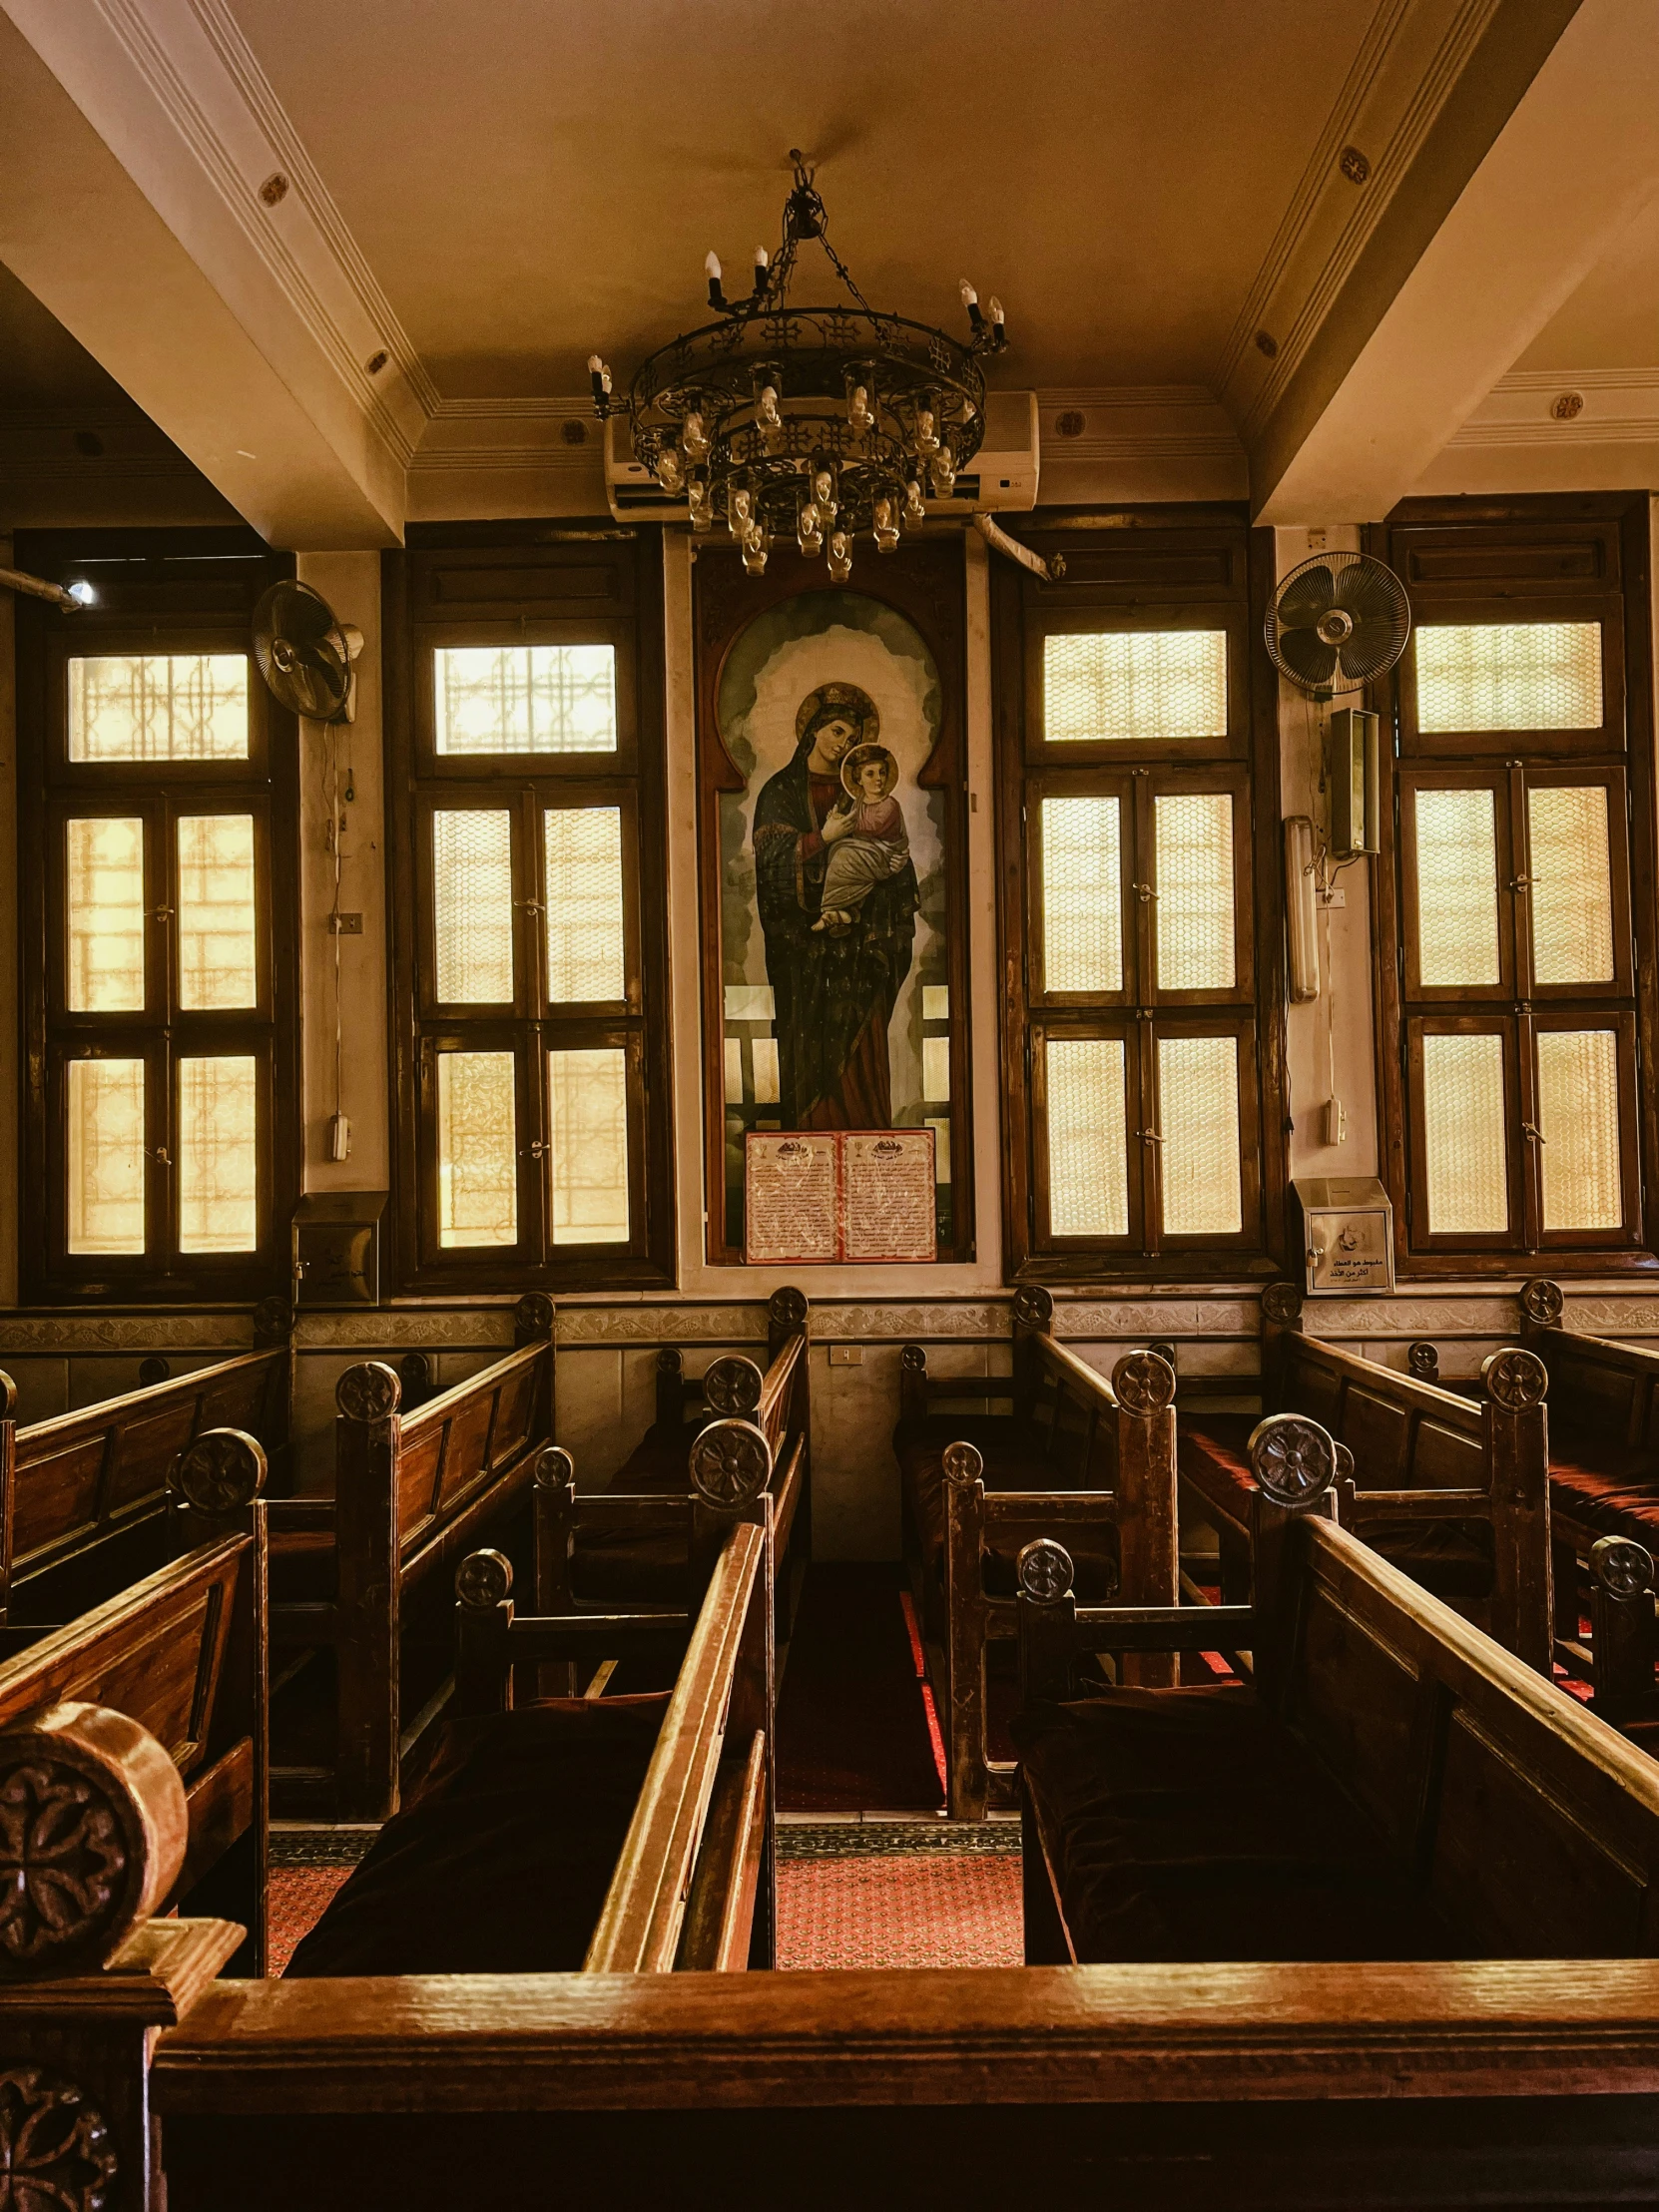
{"x":1371,"y":1505}
{"x":720,"y":1912}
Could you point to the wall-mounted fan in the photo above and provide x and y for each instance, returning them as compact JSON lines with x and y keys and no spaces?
{"x":1337,"y":622}
{"x":305,"y":654}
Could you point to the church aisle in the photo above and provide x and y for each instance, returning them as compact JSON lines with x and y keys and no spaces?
{"x":855,"y":1726}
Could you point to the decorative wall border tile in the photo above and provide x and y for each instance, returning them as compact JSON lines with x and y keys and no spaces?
{"x":23,"y":1335}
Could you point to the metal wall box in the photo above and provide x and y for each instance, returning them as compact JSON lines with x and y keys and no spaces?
{"x":1348,"y":1234}
{"x":336,"y":1248}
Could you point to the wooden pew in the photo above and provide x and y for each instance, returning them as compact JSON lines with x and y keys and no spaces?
{"x":1603,"y":1450}
{"x":1394,"y":1785}
{"x":1453,"y":1491}
{"x":598,"y":1547}
{"x":84,"y":1497}
{"x":1067,"y":1432}
{"x":1108,"y":1451}
{"x":361,"y":1578}
{"x":626,"y":1834}
{"x":658,"y":1460}
{"x":182,"y":1653}
{"x":1371,"y":2084}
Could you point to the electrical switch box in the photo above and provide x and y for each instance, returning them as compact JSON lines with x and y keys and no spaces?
{"x":1348,"y":1234}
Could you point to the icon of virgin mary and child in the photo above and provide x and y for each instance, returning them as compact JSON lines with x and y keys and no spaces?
{"x":838,"y":897}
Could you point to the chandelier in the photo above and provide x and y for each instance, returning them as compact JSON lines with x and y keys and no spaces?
{"x":817,"y":423}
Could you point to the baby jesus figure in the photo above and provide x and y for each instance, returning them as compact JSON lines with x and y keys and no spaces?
{"x":874,"y":844}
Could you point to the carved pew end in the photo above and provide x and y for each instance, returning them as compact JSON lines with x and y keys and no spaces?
{"x":97,"y":1822}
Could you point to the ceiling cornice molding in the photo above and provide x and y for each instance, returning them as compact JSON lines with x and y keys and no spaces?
{"x":296,"y":165}
{"x":209,"y":86}
{"x":1620,"y":408}
{"x":1391,"y":165}
{"x":1315,"y":181}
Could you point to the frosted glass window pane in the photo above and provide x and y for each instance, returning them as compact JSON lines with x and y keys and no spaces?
{"x":105,"y":874}
{"x":589,"y":1091}
{"x":472,"y":908}
{"x":1142,"y":686}
{"x":1198,"y":1114}
{"x":106,"y":1156}
{"x":1572,"y":884}
{"x":1466,"y":1156}
{"x":1195,"y":891}
{"x":1456,"y":888}
{"x":526,"y":698}
{"x":1082,"y":895}
{"x":217,"y":1155}
{"x":217,"y":958}
{"x":159,"y":707}
{"x":584,"y":904}
{"x":1578,"y":1115}
{"x":1088,"y":1145}
{"x":1509,"y":675}
{"x":477,"y":1150}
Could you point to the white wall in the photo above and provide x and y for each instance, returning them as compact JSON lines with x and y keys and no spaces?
{"x":351,"y":582}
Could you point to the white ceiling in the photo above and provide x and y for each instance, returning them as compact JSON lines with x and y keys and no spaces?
{"x":529,"y":182}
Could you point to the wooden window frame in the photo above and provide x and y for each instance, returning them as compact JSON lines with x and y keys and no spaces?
{"x":162,"y":591}
{"x":1579,"y":557}
{"x":1154,"y":568}
{"x":540,"y":584}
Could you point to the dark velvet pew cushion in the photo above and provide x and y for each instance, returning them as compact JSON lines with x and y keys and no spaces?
{"x":500,"y":1862}
{"x":1189,"y":1825}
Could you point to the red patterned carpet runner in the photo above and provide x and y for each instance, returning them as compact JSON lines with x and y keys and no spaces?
{"x":853,"y":1721}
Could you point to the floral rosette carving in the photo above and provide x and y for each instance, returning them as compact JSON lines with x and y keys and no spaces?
{"x":1541,"y":1302}
{"x":55,"y":2149}
{"x":787,"y":1308}
{"x":1044,"y":1570}
{"x":1516,"y":1378}
{"x":732,"y":1385}
{"x":1280,"y":1302}
{"x":1033,"y":1308}
{"x":63,"y":1862}
{"x":962,"y":1464}
{"x":555,"y":1469}
{"x":1622,"y":1567}
{"x":484,"y":1578}
{"x":221,"y":1473}
{"x":1143,"y":1383}
{"x":731,"y":1464}
{"x":533,"y":1315}
{"x":368,"y":1392}
{"x":1293,"y":1459}
{"x":1423,"y":1361}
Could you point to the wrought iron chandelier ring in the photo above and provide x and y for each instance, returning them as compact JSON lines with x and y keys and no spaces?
{"x":820,"y":422}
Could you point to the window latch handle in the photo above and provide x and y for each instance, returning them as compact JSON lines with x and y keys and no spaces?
{"x":1536,"y":1135}
{"x":1144,"y":892}
{"x":1520,"y":882}
{"x":1148,"y":1136}
{"x":536,"y":1149}
{"x":158,"y":1153}
{"x":160,"y":913}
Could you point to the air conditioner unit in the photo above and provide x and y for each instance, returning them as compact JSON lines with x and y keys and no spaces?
{"x":1003,"y":474}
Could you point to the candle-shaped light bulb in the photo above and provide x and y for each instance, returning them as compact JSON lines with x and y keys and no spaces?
{"x":694,"y":436}
{"x":999,"y":332}
{"x":669,"y":473}
{"x":717,"y":298}
{"x":927,"y":433}
{"x":970,"y":299}
{"x":809,"y":530}
{"x":885,"y":519}
{"x":915,"y":507}
{"x":600,"y":378}
{"x":766,"y":411}
{"x":710,"y":266}
{"x":824,"y":492}
{"x":841,"y":556}
{"x":697,"y":501}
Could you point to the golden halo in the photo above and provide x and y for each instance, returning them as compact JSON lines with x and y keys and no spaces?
{"x":856,"y":705}
{"x":854,"y":757}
